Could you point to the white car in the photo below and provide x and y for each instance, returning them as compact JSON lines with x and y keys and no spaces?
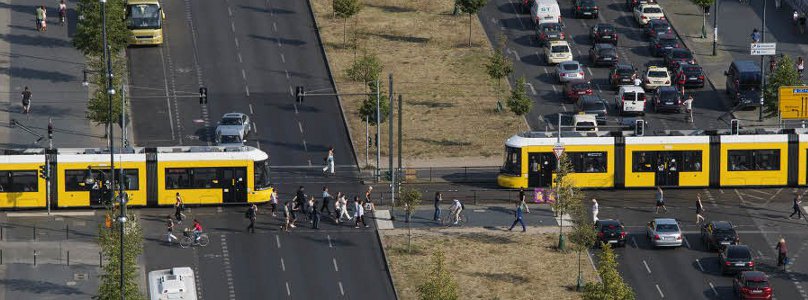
{"x":557,"y":51}
{"x":630,"y":100}
{"x":647,"y":12}
{"x":656,"y":77}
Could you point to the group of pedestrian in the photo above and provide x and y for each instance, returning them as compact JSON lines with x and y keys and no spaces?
{"x":454,"y":210}
{"x":314,"y":213}
{"x":41,"y":13}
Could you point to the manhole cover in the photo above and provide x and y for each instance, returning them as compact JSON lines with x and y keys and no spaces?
{"x":80,"y":276}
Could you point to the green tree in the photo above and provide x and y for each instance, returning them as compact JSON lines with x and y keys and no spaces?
{"x":98,"y":105}
{"x":365,"y":69}
{"x":88,"y":37}
{"x":704,"y":4}
{"x":567,"y":195}
{"x":611,"y":286}
{"x":519,"y":102}
{"x":409,"y":198}
{"x":784,"y":75}
{"x":583,"y":233}
{"x":368,"y":109}
{"x":438,"y":284}
{"x":109,"y":240}
{"x":498,"y":67}
{"x":471,"y":7}
{"x":345,"y":9}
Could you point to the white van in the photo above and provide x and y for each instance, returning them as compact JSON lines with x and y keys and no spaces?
{"x":174,"y":283}
{"x":630,"y":100}
{"x":585,"y":122}
{"x":545,"y":11}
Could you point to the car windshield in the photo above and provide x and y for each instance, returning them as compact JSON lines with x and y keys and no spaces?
{"x":593,"y":105}
{"x":651,"y":10}
{"x":660,"y":26}
{"x":608,"y":52}
{"x":231,"y":121}
{"x":667,"y":228}
{"x":682,"y":54}
{"x":668,"y":96}
{"x":724,"y":231}
{"x":757,"y":284}
{"x":739,"y":253}
{"x":569,"y":67}
{"x":585,"y":126}
{"x":625,"y":71}
{"x":229,"y":139}
{"x":667,"y":41}
{"x":657,"y":74}
{"x":550,"y":27}
{"x":605,"y":29}
{"x":581,"y":86}
{"x":587,"y":3}
{"x":692,"y":70}
{"x":750,"y":78}
{"x":610,"y":228}
{"x":560,"y":49}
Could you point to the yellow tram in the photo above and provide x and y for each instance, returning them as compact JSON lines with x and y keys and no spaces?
{"x":150,"y":176}
{"x":771,"y":157}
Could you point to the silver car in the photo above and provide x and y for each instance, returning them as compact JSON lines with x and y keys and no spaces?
{"x":237,"y":122}
{"x":664,"y":233}
{"x":569,"y":70}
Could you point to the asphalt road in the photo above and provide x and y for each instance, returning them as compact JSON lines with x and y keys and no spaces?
{"x":501,"y":17}
{"x":251,"y":55}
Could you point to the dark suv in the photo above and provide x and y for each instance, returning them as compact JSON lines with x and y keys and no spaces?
{"x":660,"y":45}
{"x":622,"y":74}
{"x":586,"y":8}
{"x":603,"y":54}
{"x":736,"y":258}
{"x":693,"y":75}
{"x":603,"y":33}
{"x":593,"y":105}
{"x":667,"y":98}
{"x":718,"y":235}
{"x":743,"y":83}
{"x":610,"y":232}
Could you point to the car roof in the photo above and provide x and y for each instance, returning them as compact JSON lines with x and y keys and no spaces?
{"x":667,"y":89}
{"x":609,"y":222}
{"x":687,"y":65}
{"x":746,"y":66}
{"x":755,"y":275}
{"x":229,"y":131}
{"x":604,"y":46}
{"x":666,"y":221}
{"x":722,"y":224}
{"x":665,"y":36}
{"x":590,"y":98}
{"x":631,"y":89}
{"x":655,"y":68}
{"x":558,"y":43}
{"x":680,"y":50}
{"x":232,"y":115}
{"x":570,"y":62}
{"x":660,"y":21}
{"x":650,"y":5}
{"x":624,"y":66}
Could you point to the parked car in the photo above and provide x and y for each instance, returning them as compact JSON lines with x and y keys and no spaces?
{"x":576,"y":88}
{"x":692,"y":74}
{"x":610,"y":232}
{"x":237,"y":122}
{"x":743,"y":83}
{"x":630,"y":100}
{"x":646,"y":12}
{"x":663,"y":232}
{"x":717,"y":235}
{"x":592,"y":105}
{"x":667,"y":98}
{"x":752,"y":285}
{"x":569,"y":70}
{"x":585,"y":8}
{"x":547,"y":32}
{"x":603,"y":54}
{"x":736,"y":258}
{"x":557,"y":51}
{"x":656,"y":77}
{"x":678,"y":55}
{"x":658,"y":26}
{"x":661,"y":44}
{"x":603,"y":33}
{"x":622,"y":74}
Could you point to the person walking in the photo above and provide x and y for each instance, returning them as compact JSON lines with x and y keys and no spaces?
{"x":800,"y":66}
{"x":273,"y":199}
{"x":782,"y":253}
{"x":359,"y":213}
{"x":688,"y":104}
{"x":291,"y":208}
{"x":595,"y":209}
{"x":44,"y":24}
{"x":251,"y":214}
{"x":287,"y":216}
{"x":62,"y":12}
{"x":518,"y":214}
{"x":326,"y":201}
{"x":300,"y":200}
{"x":660,"y":200}
{"x":796,"y":206}
{"x":179,"y":206}
{"x":170,"y":230}
{"x":315,"y":214}
{"x":310,"y":208}
{"x":438,"y":198}
{"x":26,"y":100}
{"x":40,"y":15}
{"x":522,"y":202}
{"x":329,"y":162}
{"x":342,"y":204}
{"x":699,"y":209}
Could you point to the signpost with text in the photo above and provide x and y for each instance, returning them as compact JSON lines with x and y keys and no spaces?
{"x":793,"y":102}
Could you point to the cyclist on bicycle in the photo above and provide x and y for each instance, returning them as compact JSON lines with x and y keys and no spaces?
{"x":197,"y":230}
{"x":456,"y":208}
{"x":62,"y":11}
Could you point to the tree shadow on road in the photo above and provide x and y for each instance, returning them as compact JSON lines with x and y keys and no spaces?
{"x":28,"y":73}
{"x":38,"y":287}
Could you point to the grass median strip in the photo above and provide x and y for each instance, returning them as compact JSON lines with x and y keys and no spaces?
{"x":449,"y":100}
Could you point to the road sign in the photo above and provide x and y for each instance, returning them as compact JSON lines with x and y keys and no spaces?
{"x":558,"y":149}
{"x":793,"y":102}
{"x":763,"y":48}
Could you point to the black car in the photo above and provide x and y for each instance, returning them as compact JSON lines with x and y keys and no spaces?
{"x":603,"y":54}
{"x":603,"y":33}
{"x":547,"y":32}
{"x":693,"y":75}
{"x":593,"y":105}
{"x":658,"y":26}
{"x":677,"y":56}
{"x":622,"y":74}
{"x":667,"y":98}
{"x":736,"y":258}
{"x":743,"y":82}
{"x":585,"y":8}
{"x":661,"y":44}
{"x":610,"y":232}
{"x":718,"y":235}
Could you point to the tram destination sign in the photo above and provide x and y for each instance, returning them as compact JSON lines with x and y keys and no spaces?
{"x":793,"y":102}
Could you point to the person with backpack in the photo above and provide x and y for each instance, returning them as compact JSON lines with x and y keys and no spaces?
{"x":251,"y":214}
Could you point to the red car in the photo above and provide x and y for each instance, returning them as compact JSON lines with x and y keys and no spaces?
{"x":577,"y":88}
{"x":752,"y":285}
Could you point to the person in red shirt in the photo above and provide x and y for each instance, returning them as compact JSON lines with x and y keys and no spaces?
{"x":197,"y":230}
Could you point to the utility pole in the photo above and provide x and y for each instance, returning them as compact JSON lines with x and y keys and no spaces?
{"x":762,"y":69}
{"x":400,"y":137}
{"x":47,"y":164}
{"x":378,"y":128}
{"x":715,"y":27}
{"x":390,"y":154}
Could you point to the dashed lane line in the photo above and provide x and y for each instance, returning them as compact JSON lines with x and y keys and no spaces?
{"x":713,"y":288}
{"x":227,"y":270}
{"x":646,"y":266}
{"x":336,"y":269}
{"x":698,"y":263}
{"x":278,"y":241}
{"x":661,"y":295}
{"x":283,"y":265}
{"x":288,"y":291}
{"x":341,"y":290}
{"x":686,"y":242}
{"x":330,"y":245}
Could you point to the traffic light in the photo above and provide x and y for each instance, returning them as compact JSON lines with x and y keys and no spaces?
{"x":735,"y":126}
{"x":299,"y":93}
{"x":639,"y":127}
{"x":203,"y":95}
{"x":43,"y":172}
{"x":50,"y":129}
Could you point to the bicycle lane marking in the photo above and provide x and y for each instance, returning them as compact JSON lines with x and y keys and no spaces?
{"x":227,"y":270}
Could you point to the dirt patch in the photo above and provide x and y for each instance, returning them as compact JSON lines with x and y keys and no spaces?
{"x":449,"y":100}
{"x":488,"y":265}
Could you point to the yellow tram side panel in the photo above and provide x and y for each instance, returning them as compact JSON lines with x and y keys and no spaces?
{"x":802,"y":163}
{"x":667,"y":143}
{"x":23,"y":199}
{"x":754,"y":178}
{"x":207,"y":195}
{"x":101,"y":162}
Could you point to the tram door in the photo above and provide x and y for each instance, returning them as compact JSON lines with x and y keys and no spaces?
{"x":667,"y":169}
{"x":234,"y":185}
{"x":540,"y":169}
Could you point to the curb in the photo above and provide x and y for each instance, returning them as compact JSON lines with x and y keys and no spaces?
{"x":386,"y":261}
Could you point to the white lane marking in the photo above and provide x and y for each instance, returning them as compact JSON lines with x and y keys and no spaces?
{"x":229,"y":11}
{"x":283,"y":265}
{"x":243,"y":74}
{"x":634,"y":241}
{"x":236,"y":39}
{"x":554,"y":88}
{"x":278,"y":240}
{"x":287,"y":73}
{"x":306,"y":148}
{"x":279,"y":41}
{"x":713,"y":288}
{"x":300,"y":126}
{"x":699,"y":264}
{"x":532,"y":89}
{"x":336,"y":269}
{"x":721,"y":190}
{"x":518,"y":18}
{"x":330,"y":245}
{"x":590,"y":71}
{"x":515,"y":54}
{"x":251,"y":109}
{"x":291,"y":92}
{"x":661,"y":295}
{"x":255,"y":129}
{"x":756,"y":197}
{"x":686,"y":242}
{"x":762,"y":192}
{"x":646,"y":267}
{"x":239,"y":58}
{"x":288,"y":292}
{"x":247,"y":90}
{"x":233,"y":26}
{"x":283,"y":58}
{"x":258,"y":144}
{"x":274,"y":26}
{"x":775,"y":194}
{"x":341,"y":291}
{"x":739,"y":195}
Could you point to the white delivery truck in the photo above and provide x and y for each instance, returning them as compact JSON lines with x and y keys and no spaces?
{"x":630,"y":100}
{"x":545,"y":11}
{"x":177,"y":283}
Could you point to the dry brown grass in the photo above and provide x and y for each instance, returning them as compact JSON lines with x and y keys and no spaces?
{"x":496,"y":265}
{"x":449,"y":99}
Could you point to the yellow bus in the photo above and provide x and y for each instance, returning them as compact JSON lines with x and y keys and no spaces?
{"x":145,"y":19}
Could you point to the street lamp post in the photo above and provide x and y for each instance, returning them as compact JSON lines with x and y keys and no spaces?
{"x":762,"y":69}
{"x":561,"y":239}
{"x":715,"y":27}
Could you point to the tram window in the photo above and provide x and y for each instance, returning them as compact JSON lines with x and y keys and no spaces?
{"x":74,"y":180}
{"x":261,"y":169}
{"x":130,"y":178}
{"x":513,"y":161}
{"x":203,"y":178}
{"x":691,"y":161}
{"x":754,"y":160}
{"x":23,"y":181}
{"x":5,"y":180}
{"x":178,"y":178}
{"x":588,"y":162}
{"x":643,"y":161}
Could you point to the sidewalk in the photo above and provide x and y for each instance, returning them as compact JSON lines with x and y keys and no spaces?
{"x":485,"y":217}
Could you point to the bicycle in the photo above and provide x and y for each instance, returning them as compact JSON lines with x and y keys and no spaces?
{"x":189,"y":240}
{"x":448,"y":220}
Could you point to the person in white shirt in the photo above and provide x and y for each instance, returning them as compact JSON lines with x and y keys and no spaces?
{"x":595,"y":209}
{"x":456,"y":208}
{"x":359,"y":213}
{"x":342,"y":207}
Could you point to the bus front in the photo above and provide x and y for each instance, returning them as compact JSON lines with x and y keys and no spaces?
{"x":145,"y":19}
